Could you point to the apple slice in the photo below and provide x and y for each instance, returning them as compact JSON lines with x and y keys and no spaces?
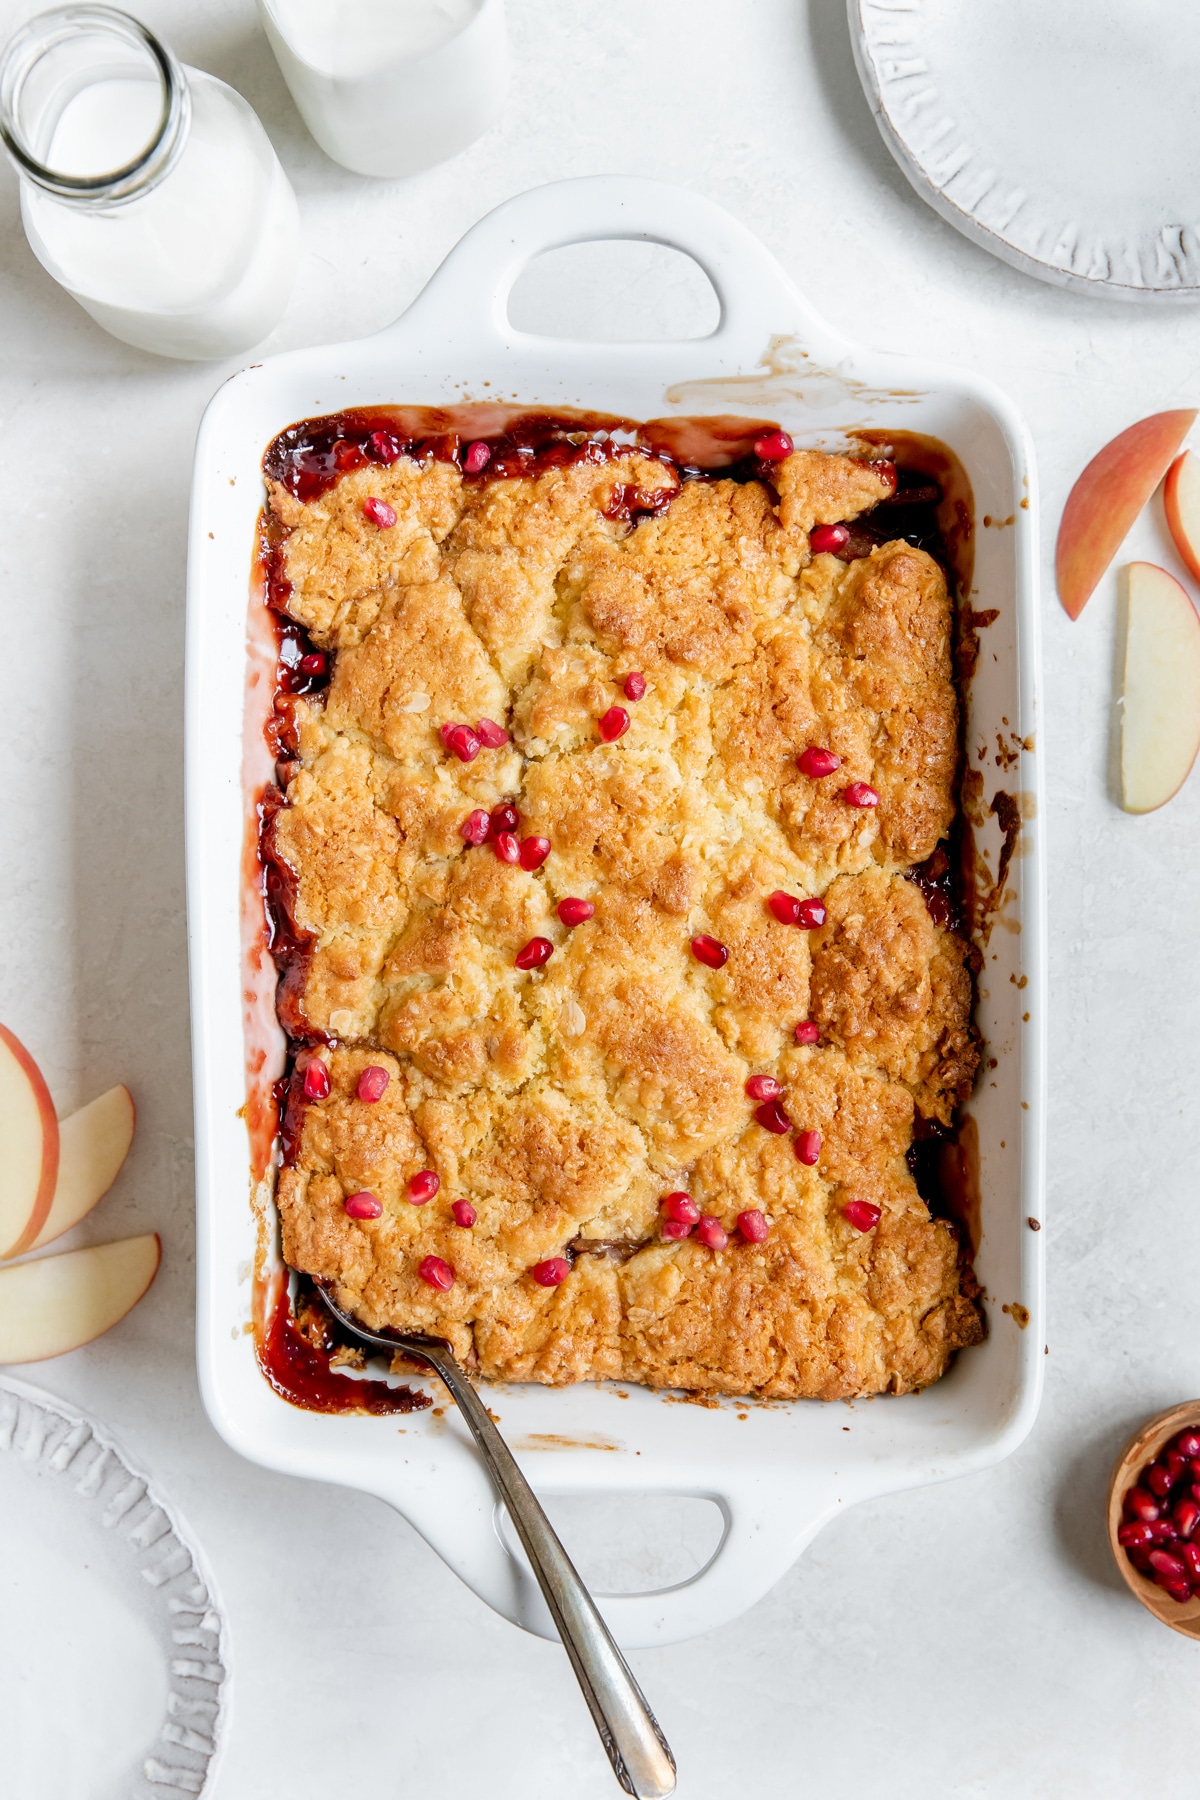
{"x":57,"y":1303}
{"x":92,"y":1145}
{"x":1160,"y":732}
{"x":1181,"y":501}
{"x":1107,"y":499}
{"x":28,"y":1147}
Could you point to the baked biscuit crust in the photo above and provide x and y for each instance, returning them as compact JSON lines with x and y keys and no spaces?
{"x":562,"y":1102}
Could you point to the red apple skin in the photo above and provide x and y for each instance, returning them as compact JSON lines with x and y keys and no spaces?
{"x":1184,"y":473}
{"x":49,"y":1172}
{"x":1107,"y":499}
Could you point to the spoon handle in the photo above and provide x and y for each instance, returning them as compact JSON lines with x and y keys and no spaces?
{"x":639,"y":1753}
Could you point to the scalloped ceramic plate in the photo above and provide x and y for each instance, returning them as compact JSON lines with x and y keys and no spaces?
{"x":1060,"y":137}
{"x":113,"y":1652}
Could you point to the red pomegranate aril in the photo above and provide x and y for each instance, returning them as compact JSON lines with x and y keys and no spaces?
{"x":673,"y":1229}
{"x":1180,"y":1592}
{"x":1134,"y":1533}
{"x":363,"y":1206}
{"x":711,"y":1233}
{"x":812,"y":915}
{"x":763,"y":1087}
{"x":784,"y":907}
{"x":817,"y":763}
{"x":491,"y":735}
{"x":474,"y":828}
{"x":707,"y":950}
{"x":477,"y":458}
{"x":773,"y":446}
{"x":436,"y":1272}
{"x":772,"y":1117}
{"x":860,"y":794}
{"x":506,"y":846}
{"x":315,"y":663}
{"x":424,"y":1186}
{"x":1185,"y":1515}
{"x":372,"y":1083}
{"x":1163,"y":1563}
{"x":634,"y":685}
{"x":464,"y":1214}
{"x":551,"y":1273}
{"x":753,"y":1226}
{"x":316,"y":1080}
{"x":379,"y":512}
{"x":861,"y":1214}
{"x":1189,"y":1555}
{"x":384,"y":447}
{"x":534,"y":851}
{"x":1173,"y":1462}
{"x":503,"y":818}
{"x":807,"y":1032}
{"x":680,"y":1208}
{"x":575,"y":912}
{"x":464,"y":742}
{"x":1163,"y":1531}
{"x":1188,"y":1444}
{"x":1138,"y":1557}
{"x":1141,"y":1504}
{"x":827,"y":540}
{"x":535,"y":954}
{"x":808,"y":1148}
{"x":1158,"y":1479}
{"x":613,"y":724}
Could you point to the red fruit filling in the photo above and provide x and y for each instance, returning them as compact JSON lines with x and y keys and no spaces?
{"x":363,"y":1206}
{"x":463,"y":741}
{"x":812,"y":914}
{"x":763,"y":1087}
{"x":711,"y":1233}
{"x":506,"y":846}
{"x":773,"y":446}
{"x":613,"y":724}
{"x":464,"y":1214}
{"x":491,"y":735}
{"x":384,"y":447}
{"x":315,"y":663}
{"x":477,"y":458}
{"x":861,"y":794}
{"x":316,"y":1080}
{"x":534,"y":851}
{"x":503,"y":818}
{"x":817,"y":763}
{"x":808,"y":1149}
{"x":634,"y":686}
{"x":423,"y":1187}
{"x":474,"y":828}
{"x":551,"y":1273}
{"x":829,"y":539}
{"x":379,"y":512}
{"x":707,"y":950}
{"x":534,"y":954}
{"x":753,"y":1226}
{"x":372,"y":1083}
{"x":1160,"y":1531}
{"x":785,"y":907}
{"x":772,"y":1117}
{"x":861,"y":1214}
{"x":575,"y":912}
{"x":680,"y":1208}
{"x":436,"y":1272}
{"x":807,"y":1032}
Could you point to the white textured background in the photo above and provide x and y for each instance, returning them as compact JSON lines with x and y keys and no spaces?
{"x":970,"y":1640}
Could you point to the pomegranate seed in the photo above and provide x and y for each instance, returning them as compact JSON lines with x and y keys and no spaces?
{"x":506,"y":846}
{"x":861,"y":1214}
{"x":675,"y":1228}
{"x":372,"y":1083}
{"x":464,"y":743}
{"x":613,"y":724}
{"x":383,"y":447}
{"x":1179,"y":1591}
{"x":1186,"y":1516}
{"x":575,"y":912}
{"x":551,"y":1273}
{"x":1188,"y":1443}
{"x":1189,"y":1554}
{"x":474,"y":828}
{"x":772,"y":1117}
{"x":634,"y":686}
{"x":785,"y":907}
{"x":817,"y":763}
{"x":828,"y":539}
{"x":773,"y":446}
{"x":807,"y":1032}
{"x":808,"y":1149}
{"x":491,"y":735}
{"x":1138,"y":1557}
{"x":1163,"y":1563}
{"x":424,"y":1186}
{"x":1137,"y":1533}
{"x":534,"y":851}
{"x":859,"y":793}
{"x":753,"y":1226}
{"x":1158,"y":1479}
{"x":363,"y":1206}
{"x":379,"y":512}
{"x":707,"y":950}
{"x":437,"y":1273}
{"x":680,"y":1208}
{"x":477,"y":458}
{"x":711,"y":1233}
{"x":315,"y":663}
{"x":534,"y":954}
{"x":812,"y":914}
{"x":763,"y":1087}
{"x":464,"y":1214}
{"x":316,"y":1080}
{"x":1163,"y":1531}
{"x":503,"y":818}
{"x":1141,"y":1504}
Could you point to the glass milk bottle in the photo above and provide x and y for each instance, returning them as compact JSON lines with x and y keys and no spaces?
{"x":148,"y":190}
{"x":388,"y":87}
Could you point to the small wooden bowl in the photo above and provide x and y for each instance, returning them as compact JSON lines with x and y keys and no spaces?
{"x":1141,"y":1449}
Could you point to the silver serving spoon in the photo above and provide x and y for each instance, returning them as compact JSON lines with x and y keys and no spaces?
{"x":639,"y":1753}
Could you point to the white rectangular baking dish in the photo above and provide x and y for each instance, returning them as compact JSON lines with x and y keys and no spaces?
{"x":781,"y":1470}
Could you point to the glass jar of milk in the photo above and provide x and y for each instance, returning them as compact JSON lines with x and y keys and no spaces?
{"x":148,"y":190}
{"x":388,"y":87}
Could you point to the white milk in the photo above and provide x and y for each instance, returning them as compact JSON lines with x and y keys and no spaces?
{"x":203,"y":264}
{"x":348,"y":38}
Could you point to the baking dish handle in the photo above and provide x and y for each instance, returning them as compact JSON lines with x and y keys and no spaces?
{"x":467,"y":298}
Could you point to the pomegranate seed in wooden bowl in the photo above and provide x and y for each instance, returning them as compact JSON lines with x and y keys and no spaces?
{"x":1154,"y":1517}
